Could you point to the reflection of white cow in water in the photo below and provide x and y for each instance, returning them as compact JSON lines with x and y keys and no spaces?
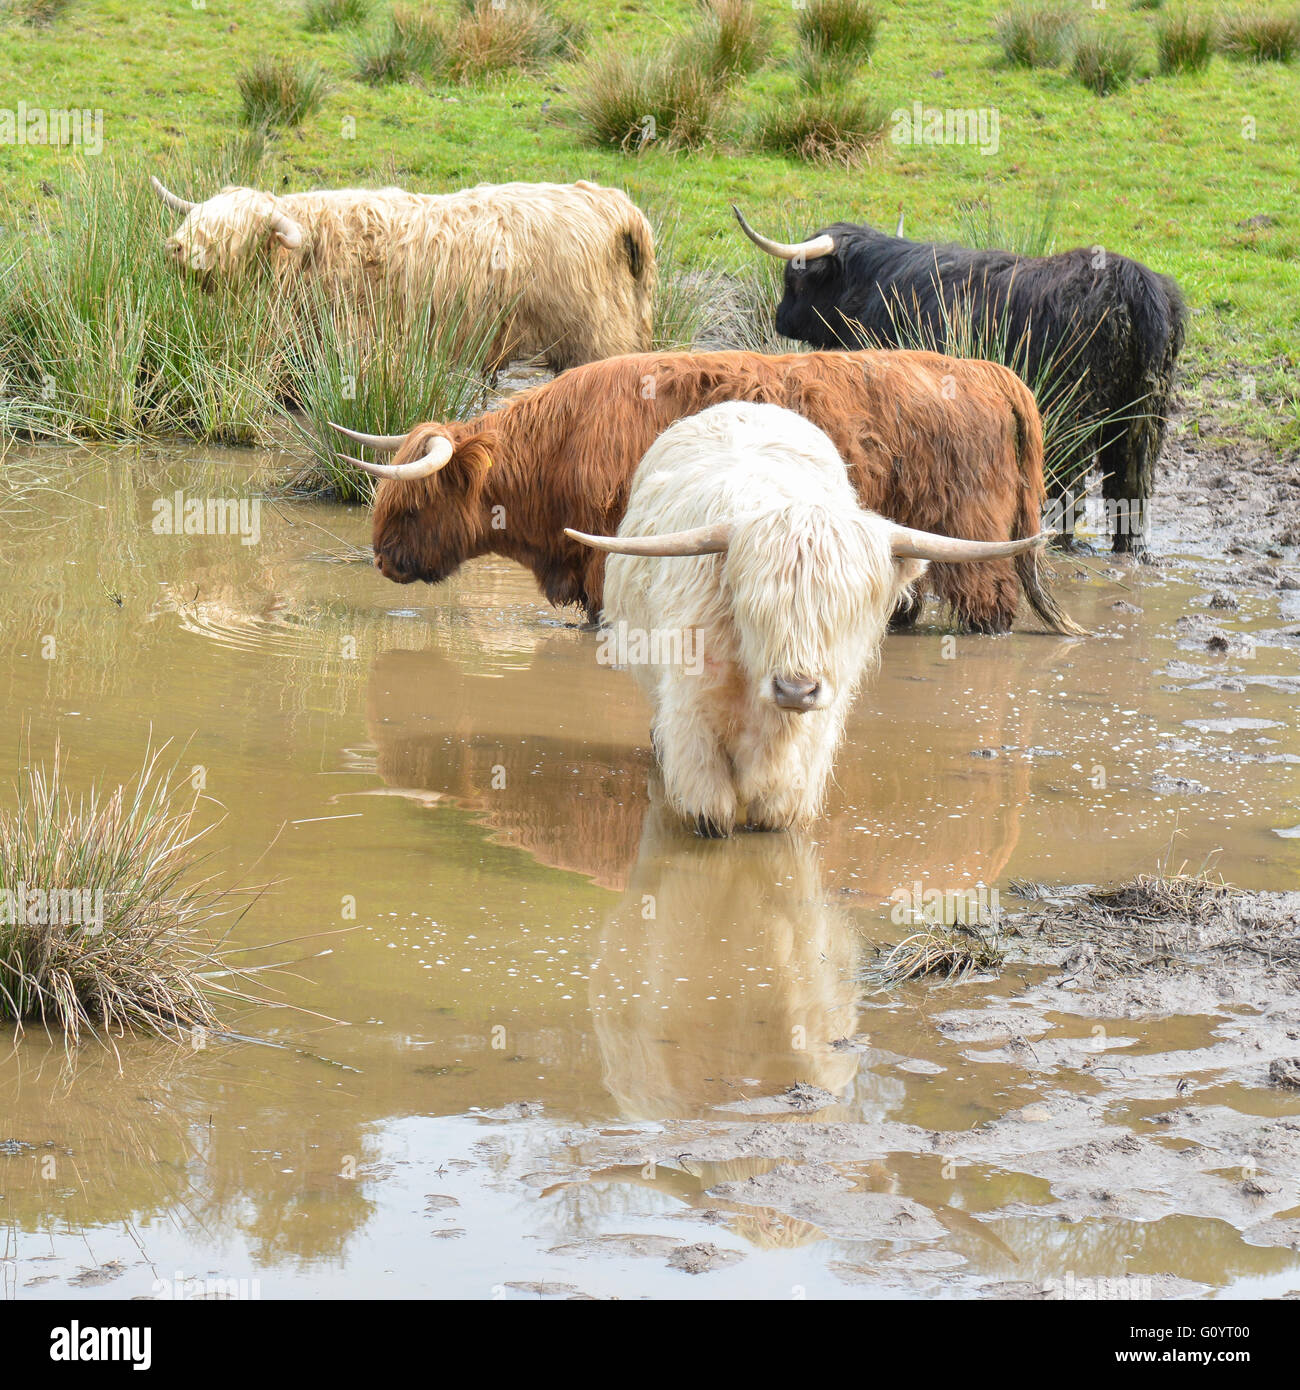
{"x":721,"y":965}
{"x":790,"y":591}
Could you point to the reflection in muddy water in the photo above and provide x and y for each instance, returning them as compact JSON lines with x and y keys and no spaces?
{"x":721,"y":963}
{"x":515,"y":985}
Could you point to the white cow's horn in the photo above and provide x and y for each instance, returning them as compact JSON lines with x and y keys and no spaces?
{"x":439,"y":456}
{"x":700,"y":540}
{"x":823,"y":245}
{"x":168,"y":197}
{"x":287,"y":230}
{"x":384,"y":443}
{"x":925,"y":545}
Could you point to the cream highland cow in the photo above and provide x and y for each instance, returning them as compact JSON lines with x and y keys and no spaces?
{"x":571,"y":265}
{"x":787,"y":585}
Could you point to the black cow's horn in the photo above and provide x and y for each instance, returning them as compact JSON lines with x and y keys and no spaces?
{"x":819,"y":246}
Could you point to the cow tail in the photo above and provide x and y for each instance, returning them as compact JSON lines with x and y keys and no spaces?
{"x":639,"y":249}
{"x":1031,"y":566}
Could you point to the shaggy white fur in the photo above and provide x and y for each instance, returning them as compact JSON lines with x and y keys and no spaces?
{"x":576,"y":261}
{"x":801,"y":597}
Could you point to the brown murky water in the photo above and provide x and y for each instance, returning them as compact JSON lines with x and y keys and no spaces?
{"x":540,"y":968}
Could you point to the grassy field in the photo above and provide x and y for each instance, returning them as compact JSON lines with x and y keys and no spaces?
{"x":1192,"y":173}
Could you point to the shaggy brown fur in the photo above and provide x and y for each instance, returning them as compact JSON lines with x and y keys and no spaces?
{"x":938,"y":443}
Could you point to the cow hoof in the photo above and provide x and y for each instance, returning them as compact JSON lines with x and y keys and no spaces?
{"x":1068,"y":545}
{"x":708,"y":829}
{"x":989,"y":627}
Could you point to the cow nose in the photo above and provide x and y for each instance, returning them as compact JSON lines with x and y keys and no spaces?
{"x":796,"y":694}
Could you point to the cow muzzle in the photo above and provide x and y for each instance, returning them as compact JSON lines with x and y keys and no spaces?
{"x":797,"y":693}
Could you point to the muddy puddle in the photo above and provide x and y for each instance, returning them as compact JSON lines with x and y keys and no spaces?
{"x":539,"y":1042}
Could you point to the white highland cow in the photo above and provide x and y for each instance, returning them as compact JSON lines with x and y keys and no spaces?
{"x":572,"y":264}
{"x":787,"y":598}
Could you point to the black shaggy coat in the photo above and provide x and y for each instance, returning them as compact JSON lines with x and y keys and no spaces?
{"x":1097,"y":335}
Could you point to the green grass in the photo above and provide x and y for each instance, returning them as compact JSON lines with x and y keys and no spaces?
{"x":1184,"y":42}
{"x":122,"y":937}
{"x":1179,"y":166}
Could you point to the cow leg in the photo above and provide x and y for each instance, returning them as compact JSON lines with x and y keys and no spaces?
{"x":782,"y":767}
{"x":1065,"y":492}
{"x":696,"y":771}
{"x":1126,"y":470}
{"x":983,"y":597}
{"x":905,"y":615}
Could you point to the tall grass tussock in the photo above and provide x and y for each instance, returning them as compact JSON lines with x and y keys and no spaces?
{"x":1104,"y":61}
{"x":325,"y":16}
{"x":822,"y":127}
{"x":103,"y":928}
{"x":1035,"y":35}
{"x":642,"y":100}
{"x":1184,"y":42}
{"x":280,"y":91}
{"x":1261,"y":36}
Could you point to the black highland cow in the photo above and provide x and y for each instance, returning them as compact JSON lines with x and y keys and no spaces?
{"x":1097,"y":335}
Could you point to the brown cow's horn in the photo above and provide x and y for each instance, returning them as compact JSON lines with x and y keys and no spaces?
{"x":700,"y":540}
{"x":823,"y":245}
{"x":439,"y":456}
{"x":384,"y":443}
{"x":925,"y":545}
{"x":287,"y":230}
{"x":168,"y":197}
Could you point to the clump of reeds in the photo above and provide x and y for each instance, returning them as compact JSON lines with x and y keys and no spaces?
{"x":835,"y":38}
{"x":100,"y":331}
{"x":729,"y":40}
{"x":1261,"y":36}
{"x":1034,"y":35}
{"x":280,"y":91}
{"x":832,"y":126}
{"x":367,"y":363}
{"x":636,"y":101}
{"x":513,"y":36}
{"x":324,"y":16}
{"x":1184,"y":42}
{"x":103,"y":928}
{"x":1104,"y":61}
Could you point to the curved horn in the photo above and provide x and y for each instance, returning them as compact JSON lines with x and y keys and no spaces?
{"x":823,"y":245}
{"x":700,"y":540}
{"x":898,"y":231}
{"x":439,"y":456}
{"x":926,"y":545}
{"x":287,"y":230}
{"x":168,"y":197}
{"x":384,"y":443}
